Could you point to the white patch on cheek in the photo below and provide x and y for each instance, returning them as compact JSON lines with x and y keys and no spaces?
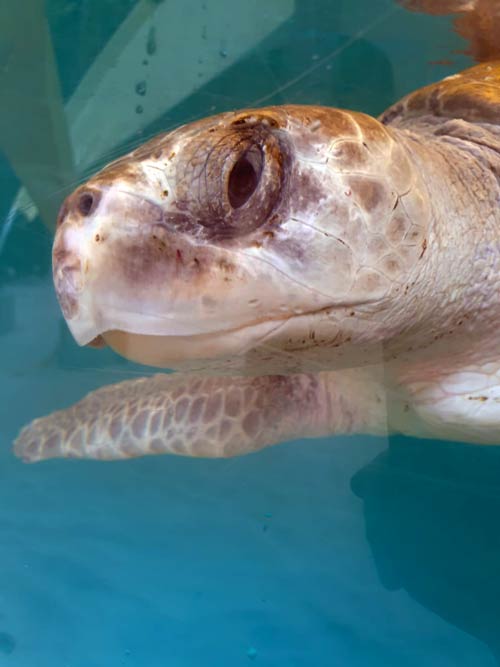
{"x":310,"y":146}
{"x":78,"y":240}
{"x":72,"y":238}
{"x":156,"y":174}
{"x":470,"y":382}
{"x":463,"y":403}
{"x":311,"y":257}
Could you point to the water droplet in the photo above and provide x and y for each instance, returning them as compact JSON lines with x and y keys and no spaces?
{"x":139,"y":109}
{"x":145,"y":61}
{"x":140,"y":88}
{"x":223,"y":53}
{"x":252,"y":653}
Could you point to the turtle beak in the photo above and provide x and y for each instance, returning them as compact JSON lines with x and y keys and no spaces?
{"x":69,"y":263}
{"x":67,"y":272}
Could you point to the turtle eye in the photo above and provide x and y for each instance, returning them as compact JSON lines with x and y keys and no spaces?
{"x":233,"y":181}
{"x":244,"y":177}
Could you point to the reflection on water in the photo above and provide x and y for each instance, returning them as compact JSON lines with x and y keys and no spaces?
{"x":189,"y":563}
{"x":34,"y":134}
{"x":431,"y":512}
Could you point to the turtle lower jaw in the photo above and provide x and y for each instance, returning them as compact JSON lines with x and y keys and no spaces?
{"x":163,"y":351}
{"x":179,"y":351}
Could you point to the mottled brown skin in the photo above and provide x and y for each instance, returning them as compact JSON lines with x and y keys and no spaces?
{"x":335,"y":273}
{"x":472,"y":96}
{"x":477,"y":21}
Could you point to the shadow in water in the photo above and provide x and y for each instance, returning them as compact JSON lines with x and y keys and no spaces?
{"x":432,"y":516}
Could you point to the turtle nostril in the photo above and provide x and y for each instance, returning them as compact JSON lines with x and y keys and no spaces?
{"x":86,"y":203}
{"x":81,"y":203}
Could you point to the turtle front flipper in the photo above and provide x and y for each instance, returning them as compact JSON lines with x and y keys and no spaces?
{"x":205,"y":416}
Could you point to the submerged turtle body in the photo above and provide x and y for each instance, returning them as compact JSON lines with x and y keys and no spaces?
{"x":315,"y":270}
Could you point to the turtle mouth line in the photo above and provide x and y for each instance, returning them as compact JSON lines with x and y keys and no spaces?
{"x":217,"y":333}
{"x":168,"y":351}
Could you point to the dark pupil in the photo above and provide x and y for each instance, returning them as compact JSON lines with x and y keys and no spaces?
{"x":243,"y":181}
{"x":85,"y":203}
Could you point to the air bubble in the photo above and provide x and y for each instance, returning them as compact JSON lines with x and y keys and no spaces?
{"x":140,"y":88}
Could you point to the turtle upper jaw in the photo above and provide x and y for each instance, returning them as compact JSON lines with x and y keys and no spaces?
{"x":121,"y":268}
{"x":174,"y":351}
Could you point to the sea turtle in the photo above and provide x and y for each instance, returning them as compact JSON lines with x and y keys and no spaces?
{"x":310,"y":270}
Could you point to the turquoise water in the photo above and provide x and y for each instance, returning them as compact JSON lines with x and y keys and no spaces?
{"x":354,"y":552}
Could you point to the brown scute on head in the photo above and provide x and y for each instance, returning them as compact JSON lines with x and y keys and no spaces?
{"x":334,"y":122}
{"x":396,"y":228}
{"x":255,"y":118}
{"x":350,"y":155}
{"x":308,"y":190}
{"x":391,"y":265}
{"x":368,"y":193}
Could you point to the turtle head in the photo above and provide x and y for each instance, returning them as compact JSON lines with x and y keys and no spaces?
{"x":206,"y":240}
